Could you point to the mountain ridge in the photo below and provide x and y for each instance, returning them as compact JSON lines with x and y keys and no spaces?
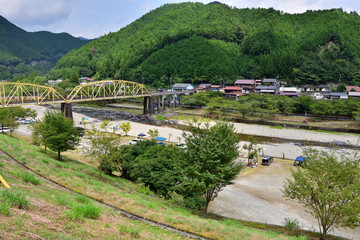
{"x":249,"y":43}
{"x":24,"y":52}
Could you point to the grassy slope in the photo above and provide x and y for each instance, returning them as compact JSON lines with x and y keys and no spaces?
{"x":84,"y":179}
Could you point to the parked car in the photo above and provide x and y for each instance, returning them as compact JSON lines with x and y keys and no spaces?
{"x":5,"y":129}
{"x":267,"y":160}
{"x":21,"y":120}
{"x":135,"y":141}
{"x":181,"y":145}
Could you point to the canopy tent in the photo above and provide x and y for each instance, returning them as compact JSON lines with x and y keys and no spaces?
{"x":159,"y":138}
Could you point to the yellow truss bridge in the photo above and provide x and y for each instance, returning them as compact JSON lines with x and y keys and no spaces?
{"x":19,"y":94}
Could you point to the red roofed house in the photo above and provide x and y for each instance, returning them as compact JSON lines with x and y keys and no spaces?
{"x":247,"y":85}
{"x":352,"y":88}
{"x":232,"y":91}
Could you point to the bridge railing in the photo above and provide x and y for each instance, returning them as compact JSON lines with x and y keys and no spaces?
{"x":107,"y":89}
{"x":13,"y":93}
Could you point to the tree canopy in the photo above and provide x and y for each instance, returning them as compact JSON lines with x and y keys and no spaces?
{"x":57,"y":132}
{"x":209,"y":164}
{"x":328,"y":186}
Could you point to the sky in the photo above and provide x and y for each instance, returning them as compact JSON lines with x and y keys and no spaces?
{"x":95,"y":18}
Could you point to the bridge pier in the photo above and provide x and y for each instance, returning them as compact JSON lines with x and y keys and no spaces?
{"x":148,"y":105}
{"x":67,"y":110}
{"x":163,"y":103}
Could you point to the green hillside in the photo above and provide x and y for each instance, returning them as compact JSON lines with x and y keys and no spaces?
{"x":23,"y":52}
{"x":215,"y":42}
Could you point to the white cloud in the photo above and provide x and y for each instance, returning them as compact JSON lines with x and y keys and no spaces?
{"x":35,"y":12}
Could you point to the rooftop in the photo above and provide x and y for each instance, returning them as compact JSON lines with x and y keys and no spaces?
{"x":245,"y":81}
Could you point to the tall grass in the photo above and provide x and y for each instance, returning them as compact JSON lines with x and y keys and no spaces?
{"x":30,"y":178}
{"x":81,"y":211}
{"x":10,"y":198}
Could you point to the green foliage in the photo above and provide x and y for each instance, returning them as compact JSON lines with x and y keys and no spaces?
{"x":159,"y":168}
{"x":31,"y":53}
{"x":82,"y":199}
{"x":291,"y":223}
{"x":252,"y":149}
{"x":103,"y":147}
{"x":4,"y":208}
{"x":216,"y":43}
{"x":329,"y":187}
{"x":30,"y":178}
{"x":209,"y":163}
{"x":153,"y":132}
{"x":57,"y":132}
{"x":14,"y":199}
{"x":271,"y":104}
{"x":125,"y":127}
{"x":160,"y":117}
{"x":81,"y":211}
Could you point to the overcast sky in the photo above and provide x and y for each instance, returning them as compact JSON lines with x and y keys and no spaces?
{"x":94,"y":18}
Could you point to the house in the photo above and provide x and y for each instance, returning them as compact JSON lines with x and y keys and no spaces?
{"x":232,"y":91}
{"x":336,"y":95}
{"x":266,"y":89}
{"x":308,"y":88}
{"x":247,"y":85}
{"x":290,"y":91}
{"x":204,"y":88}
{"x":352,"y":89}
{"x":53,"y":82}
{"x":354,"y":94}
{"x":85,"y":80}
{"x":182,"y":87}
{"x":322,"y":88}
{"x":269,"y":81}
{"x":216,"y":88}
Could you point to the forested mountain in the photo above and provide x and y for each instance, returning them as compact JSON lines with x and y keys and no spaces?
{"x":23,"y":52}
{"x":215,"y":42}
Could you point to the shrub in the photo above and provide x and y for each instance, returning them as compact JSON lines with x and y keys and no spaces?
{"x":30,"y":178}
{"x":2,"y":164}
{"x":291,"y":223}
{"x":144,"y":189}
{"x":160,"y":117}
{"x":176,"y":198}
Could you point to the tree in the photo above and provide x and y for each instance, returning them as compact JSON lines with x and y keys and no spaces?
{"x":58,"y":133}
{"x":153,"y":133}
{"x":244,"y":108}
{"x":103,"y":147}
{"x":253,"y":150}
{"x":125,"y":127}
{"x":322,"y":108}
{"x":10,"y":122}
{"x":74,"y":77}
{"x":209,"y":165}
{"x":329,"y":187}
{"x":303,"y":104}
